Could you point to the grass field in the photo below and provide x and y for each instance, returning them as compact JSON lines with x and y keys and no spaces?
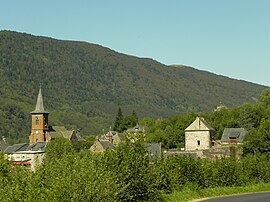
{"x":191,"y":194}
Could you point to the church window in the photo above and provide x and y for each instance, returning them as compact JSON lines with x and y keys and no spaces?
{"x":37,"y":121}
{"x":199,"y":142}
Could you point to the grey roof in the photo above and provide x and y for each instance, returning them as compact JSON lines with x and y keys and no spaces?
{"x":233,"y":133}
{"x":106,"y":144}
{"x":153,"y":149}
{"x":38,"y":146}
{"x":39,"y":105}
{"x":55,"y":134}
{"x":61,"y":131}
{"x":138,"y":128}
{"x":16,"y":147}
{"x":78,"y":137}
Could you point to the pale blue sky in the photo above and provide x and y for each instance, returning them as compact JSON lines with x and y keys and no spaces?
{"x":227,"y":37}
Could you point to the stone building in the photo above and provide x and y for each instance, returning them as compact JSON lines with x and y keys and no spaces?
{"x":199,"y":135}
{"x":106,"y":141}
{"x":27,"y":155}
{"x":101,"y":145}
{"x":41,"y":131}
{"x":40,"y":126}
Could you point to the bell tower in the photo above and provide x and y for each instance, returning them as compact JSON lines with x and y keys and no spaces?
{"x":39,"y":121}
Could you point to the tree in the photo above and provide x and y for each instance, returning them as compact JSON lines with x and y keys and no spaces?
{"x":265,"y":97}
{"x":58,"y":148}
{"x":118,"y":120}
{"x":132,"y":172}
{"x":123,"y":123}
{"x":134,"y":118}
{"x":257,"y":141}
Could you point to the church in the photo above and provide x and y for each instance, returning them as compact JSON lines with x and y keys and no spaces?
{"x":41,"y":131}
{"x":31,"y":154}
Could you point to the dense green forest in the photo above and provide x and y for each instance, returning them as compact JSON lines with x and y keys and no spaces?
{"x":84,"y":85}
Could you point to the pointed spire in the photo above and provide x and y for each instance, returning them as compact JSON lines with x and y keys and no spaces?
{"x":39,"y":105}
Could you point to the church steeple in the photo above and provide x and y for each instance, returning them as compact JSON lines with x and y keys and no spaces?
{"x":39,"y":105}
{"x":39,"y":121}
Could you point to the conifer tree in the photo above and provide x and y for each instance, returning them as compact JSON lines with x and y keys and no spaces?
{"x":118,"y":120}
{"x":134,"y":118}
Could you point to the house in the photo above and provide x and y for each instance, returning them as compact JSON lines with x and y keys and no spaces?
{"x":104,"y":142}
{"x":16,"y":148}
{"x":41,"y":131}
{"x":137,"y":129}
{"x":26,"y":155}
{"x":135,"y":133}
{"x":198,"y":135}
{"x":114,"y":137}
{"x":233,"y":135}
{"x":118,"y":137}
{"x":101,"y":145}
{"x":60,"y":131}
{"x":153,"y":149}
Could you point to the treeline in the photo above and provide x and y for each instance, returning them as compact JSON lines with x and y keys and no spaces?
{"x":255,"y":118}
{"x":125,"y":174}
{"x":84,"y":84}
{"x":123,"y":123}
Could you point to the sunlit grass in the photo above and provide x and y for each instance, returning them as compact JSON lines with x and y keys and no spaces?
{"x":190,"y":194}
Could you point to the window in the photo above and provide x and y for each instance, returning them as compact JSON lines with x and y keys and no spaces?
{"x":199,"y":142}
{"x":37,"y":121}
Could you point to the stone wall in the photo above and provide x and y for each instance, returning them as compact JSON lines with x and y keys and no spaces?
{"x":197,"y":140}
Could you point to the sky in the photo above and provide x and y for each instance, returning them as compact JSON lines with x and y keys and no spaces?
{"x":226,"y":37}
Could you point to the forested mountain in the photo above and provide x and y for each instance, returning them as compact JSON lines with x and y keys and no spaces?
{"x":84,"y":84}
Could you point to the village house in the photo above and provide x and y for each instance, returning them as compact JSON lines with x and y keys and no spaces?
{"x":199,"y":135}
{"x":199,"y":142}
{"x":153,"y":149}
{"x":233,"y":136}
{"x":104,"y":142}
{"x":25,"y":154}
{"x":111,"y":140}
{"x":135,"y":133}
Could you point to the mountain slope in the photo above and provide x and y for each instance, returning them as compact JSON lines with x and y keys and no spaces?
{"x":84,"y":84}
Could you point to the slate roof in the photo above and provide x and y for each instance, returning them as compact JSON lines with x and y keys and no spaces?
{"x":138,"y":128}
{"x":153,"y":149}
{"x":61,"y":131}
{"x":39,"y":105}
{"x":38,"y":146}
{"x":199,"y":125}
{"x":106,"y":144}
{"x":79,"y":138}
{"x":233,"y":133}
{"x":16,"y":147}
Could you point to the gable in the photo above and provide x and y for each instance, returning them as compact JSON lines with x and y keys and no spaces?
{"x":199,"y":125}
{"x":101,"y":145}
